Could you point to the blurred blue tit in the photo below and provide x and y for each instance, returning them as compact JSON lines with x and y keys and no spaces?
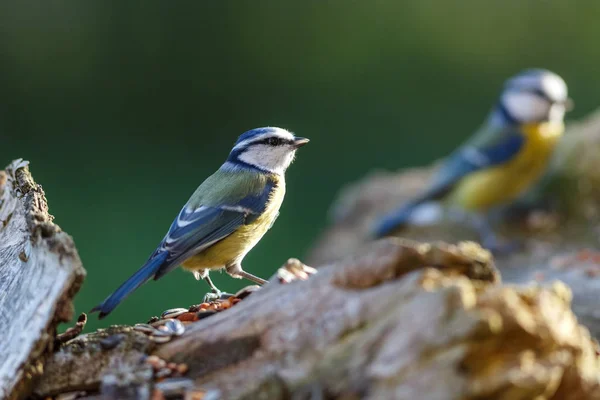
{"x":226,"y":216}
{"x":504,"y":158}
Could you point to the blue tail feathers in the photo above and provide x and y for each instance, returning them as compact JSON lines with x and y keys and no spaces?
{"x":402,"y":216}
{"x":393,"y":221}
{"x":145,"y":273}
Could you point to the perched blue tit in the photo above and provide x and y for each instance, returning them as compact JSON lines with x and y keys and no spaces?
{"x":504,"y":158}
{"x":225,"y":217}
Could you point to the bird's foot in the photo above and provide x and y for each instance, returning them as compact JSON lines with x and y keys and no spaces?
{"x":294,"y":270}
{"x":216,"y":295}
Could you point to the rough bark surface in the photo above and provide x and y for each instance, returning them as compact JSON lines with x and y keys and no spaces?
{"x":558,"y":222}
{"x":398,"y":320}
{"x":40,"y":272}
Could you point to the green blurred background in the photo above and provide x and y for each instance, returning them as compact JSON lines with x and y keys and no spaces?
{"x":123,"y":108}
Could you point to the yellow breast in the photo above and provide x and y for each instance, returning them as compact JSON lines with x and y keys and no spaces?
{"x":503,"y":184}
{"x":235,"y":246}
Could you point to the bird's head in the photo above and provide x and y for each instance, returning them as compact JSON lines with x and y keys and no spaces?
{"x":269,"y":149}
{"x":534,"y":95}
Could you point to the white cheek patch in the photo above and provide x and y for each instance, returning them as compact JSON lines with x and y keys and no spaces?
{"x":526,"y":107}
{"x":271,"y":158}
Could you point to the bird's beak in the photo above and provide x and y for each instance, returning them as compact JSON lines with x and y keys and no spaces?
{"x":569,"y":104}
{"x":300,"y":141}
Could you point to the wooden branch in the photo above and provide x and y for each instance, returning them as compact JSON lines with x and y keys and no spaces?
{"x":40,"y":272}
{"x":561,"y":241}
{"x":398,"y":320}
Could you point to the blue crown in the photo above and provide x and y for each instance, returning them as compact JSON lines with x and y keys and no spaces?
{"x":255,"y":132}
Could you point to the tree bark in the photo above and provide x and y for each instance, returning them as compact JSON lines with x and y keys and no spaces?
{"x":400,"y":320}
{"x":40,"y":272}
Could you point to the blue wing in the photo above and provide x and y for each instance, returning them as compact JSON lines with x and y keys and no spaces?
{"x":475,"y":157}
{"x":485,"y":150}
{"x":194,"y":230}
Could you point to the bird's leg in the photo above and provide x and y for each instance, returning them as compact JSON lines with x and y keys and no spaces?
{"x":480,"y":223}
{"x":215,"y":293}
{"x":236,"y":271}
{"x":252,"y":278}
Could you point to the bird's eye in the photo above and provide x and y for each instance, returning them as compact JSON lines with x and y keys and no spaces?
{"x":274,"y":141}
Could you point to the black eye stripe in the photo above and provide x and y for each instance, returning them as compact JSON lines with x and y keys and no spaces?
{"x":274,"y":141}
{"x":541,"y":94}
{"x":537,"y":92}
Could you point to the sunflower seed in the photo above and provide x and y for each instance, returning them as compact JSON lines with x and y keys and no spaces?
{"x":173,"y":313}
{"x":175,"y":327}
{"x":160,"y":339}
{"x":144,"y":328}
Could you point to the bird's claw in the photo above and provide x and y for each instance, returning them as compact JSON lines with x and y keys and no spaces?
{"x":216,"y":295}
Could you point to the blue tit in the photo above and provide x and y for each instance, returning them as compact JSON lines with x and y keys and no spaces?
{"x":225,"y":217}
{"x":504,"y":158}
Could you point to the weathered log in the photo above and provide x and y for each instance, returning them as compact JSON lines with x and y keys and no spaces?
{"x":40,"y":273}
{"x":399,"y":320}
{"x":558,"y":221}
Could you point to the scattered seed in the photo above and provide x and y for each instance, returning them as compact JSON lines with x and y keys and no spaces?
{"x":182,"y":369}
{"x":310,"y":270}
{"x":162,"y":331}
{"x":175,"y":327}
{"x":172,"y":366}
{"x":158,"y":323}
{"x":188,"y":317}
{"x":146,"y":328}
{"x":160,"y":339}
{"x":173,"y":313}
{"x":156,"y":362}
